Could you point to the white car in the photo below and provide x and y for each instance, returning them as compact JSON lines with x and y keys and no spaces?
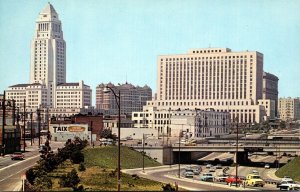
{"x":208,"y":166}
{"x":267,"y":166}
{"x":212,"y":169}
{"x":255,"y":172}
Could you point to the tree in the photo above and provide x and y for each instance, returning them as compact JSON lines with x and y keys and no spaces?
{"x":282,"y":124}
{"x":70,"y":180}
{"x":81,"y":167}
{"x":107,"y":134}
{"x":43,"y":182}
{"x":77,"y":157}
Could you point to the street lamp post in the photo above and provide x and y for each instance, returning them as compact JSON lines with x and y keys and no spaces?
{"x":3,"y":125}
{"x":31,"y":131}
{"x":144,"y":150}
{"x":236,"y":153}
{"x":118,"y":101}
{"x":24,"y":121}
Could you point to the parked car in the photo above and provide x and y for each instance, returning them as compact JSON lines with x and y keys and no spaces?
{"x":232,"y":180}
{"x":129,"y":138}
{"x":207,"y":177}
{"x":254,"y":180}
{"x":17,"y":156}
{"x":267,"y":166}
{"x":43,"y":149}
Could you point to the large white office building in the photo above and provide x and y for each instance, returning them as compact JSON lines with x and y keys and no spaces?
{"x":214,"y":78}
{"x":48,"y":87}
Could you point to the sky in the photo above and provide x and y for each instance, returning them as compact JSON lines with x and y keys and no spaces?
{"x":119,"y":40}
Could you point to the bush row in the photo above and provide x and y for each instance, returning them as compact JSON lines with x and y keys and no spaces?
{"x":37,"y":175}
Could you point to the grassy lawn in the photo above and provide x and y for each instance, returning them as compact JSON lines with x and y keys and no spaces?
{"x":291,"y":169}
{"x":99,"y":175}
{"x":107,"y":157}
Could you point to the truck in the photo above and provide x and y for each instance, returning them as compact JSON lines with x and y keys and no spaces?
{"x":254,"y":180}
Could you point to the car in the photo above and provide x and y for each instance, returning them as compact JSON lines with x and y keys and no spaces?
{"x":254,"y":180}
{"x":129,"y":138}
{"x":267,"y":166}
{"x":207,"y":177}
{"x":43,"y":149}
{"x":219,"y":166}
{"x":212,"y":169}
{"x":17,"y":156}
{"x":196,"y":171}
{"x":233,"y":180}
{"x":284,"y":182}
{"x":286,"y":178}
{"x":289,"y":186}
{"x":189,"y":174}
{"x":255,"y":172}
{"x":188,"y":168}
{"x":221,"y":178}
{"x":208,"y":166}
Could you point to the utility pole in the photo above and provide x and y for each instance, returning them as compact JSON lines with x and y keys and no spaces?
{"x":48,"y":126}
{"x":24,"y":120}
{"x":92,"y":134}
{"x":3,"y":124}
{"x":39,"y":125}
{"x":31,"y":131}
{"x":143,"y":152}
{"x":13,"y":112}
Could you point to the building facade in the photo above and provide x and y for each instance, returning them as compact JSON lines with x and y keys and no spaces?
{"x":194,"y":123}
{"x":212,"y":78}
{"x":133,"y":98}
{"x":48,"y":87}
{"x":289,"y":109}
{"x":270,"y":89}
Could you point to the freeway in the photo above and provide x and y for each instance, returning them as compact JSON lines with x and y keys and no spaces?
{"x":166,"y":175}
{"x":11,"y":171}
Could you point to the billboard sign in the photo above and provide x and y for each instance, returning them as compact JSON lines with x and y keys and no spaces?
{"x":68,"y":128}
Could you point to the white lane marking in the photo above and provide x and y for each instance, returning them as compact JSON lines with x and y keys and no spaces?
{"x":15,"y":173}
{"x":18,"y":163}
{"x":18,"y":187}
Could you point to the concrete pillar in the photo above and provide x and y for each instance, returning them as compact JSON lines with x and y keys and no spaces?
{"x":241,"y":157}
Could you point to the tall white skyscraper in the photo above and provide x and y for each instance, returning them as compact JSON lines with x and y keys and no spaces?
{"x":48,"y":52}
{"x":48,"y":87}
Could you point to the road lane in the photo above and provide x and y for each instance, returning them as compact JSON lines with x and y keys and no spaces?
{"x":10,"y":175}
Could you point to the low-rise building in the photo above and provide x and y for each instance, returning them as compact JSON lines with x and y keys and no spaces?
{"x":289,"y":108}
{"x":195,"y":123}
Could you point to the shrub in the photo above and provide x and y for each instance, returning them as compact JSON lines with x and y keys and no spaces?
{"x":168,"y":187}
{"x":70,"y":180}
{"x":43,"y":182}
{"x":77,"y":157}
{"x":81,"y":167}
